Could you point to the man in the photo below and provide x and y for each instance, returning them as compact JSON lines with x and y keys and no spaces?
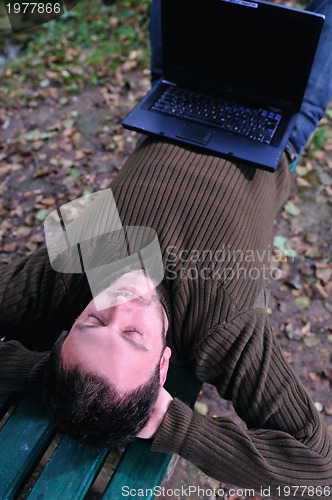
{"x":214,"y":223}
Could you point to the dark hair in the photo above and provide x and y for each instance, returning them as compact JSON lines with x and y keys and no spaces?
{"x":89,"y":408}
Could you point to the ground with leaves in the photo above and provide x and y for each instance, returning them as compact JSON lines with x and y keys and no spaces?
{"x":61,"y":138}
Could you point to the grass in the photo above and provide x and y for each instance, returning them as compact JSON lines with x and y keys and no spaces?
{"x":81,"y":48}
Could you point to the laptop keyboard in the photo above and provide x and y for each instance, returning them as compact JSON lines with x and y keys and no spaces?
{"x":258,"y":124}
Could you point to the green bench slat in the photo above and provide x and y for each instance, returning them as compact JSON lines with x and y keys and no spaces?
{"x":73,"y":467}
{"x":139,"y":467}
{"x":69,"y":473}
{"x":23,"y":440}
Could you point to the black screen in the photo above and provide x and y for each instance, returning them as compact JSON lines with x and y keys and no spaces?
{"x":252,"y":48}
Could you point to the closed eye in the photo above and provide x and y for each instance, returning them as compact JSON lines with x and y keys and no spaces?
{"x":132,"y":330}
{"x":134,"y":337}
{"x":91,"y":321}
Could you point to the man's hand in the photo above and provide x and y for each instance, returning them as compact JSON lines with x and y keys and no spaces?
{"x":158,"y":414}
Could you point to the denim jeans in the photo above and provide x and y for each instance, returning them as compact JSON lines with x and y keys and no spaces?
{"x":319,"y":89}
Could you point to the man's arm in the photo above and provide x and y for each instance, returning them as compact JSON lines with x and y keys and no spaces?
{"x":20,"y":369}
{"x":285,"y":444}
{"x":37,"y":303}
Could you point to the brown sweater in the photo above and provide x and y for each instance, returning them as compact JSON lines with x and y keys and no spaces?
{"x":214,"y":220}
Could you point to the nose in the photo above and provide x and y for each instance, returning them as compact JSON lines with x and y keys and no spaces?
{"x":108,"y":301}
{"x":123,"y":306}
{"x":118,"y":300}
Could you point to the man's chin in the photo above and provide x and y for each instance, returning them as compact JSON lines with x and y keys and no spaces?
{"x":134,"y":285}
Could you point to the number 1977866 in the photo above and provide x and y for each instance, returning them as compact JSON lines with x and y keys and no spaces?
{"x":33,"y":7}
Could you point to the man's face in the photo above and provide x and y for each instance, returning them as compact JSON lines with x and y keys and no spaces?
{"x":123,"y":340}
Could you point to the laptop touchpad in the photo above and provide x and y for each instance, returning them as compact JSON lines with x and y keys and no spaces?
{"x":195,"y":133}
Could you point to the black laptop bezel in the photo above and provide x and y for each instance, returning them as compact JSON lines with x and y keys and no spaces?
{"x":312,"y":21}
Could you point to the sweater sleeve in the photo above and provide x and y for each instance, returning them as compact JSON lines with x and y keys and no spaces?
{"x":285,"y":444}
{"x":36,"y":302}
{"x":20,"y":369}
{"x":27,"y":289}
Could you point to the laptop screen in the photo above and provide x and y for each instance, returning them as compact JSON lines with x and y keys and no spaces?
{"x":247,"y":48}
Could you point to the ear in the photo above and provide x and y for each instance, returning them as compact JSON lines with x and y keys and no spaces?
{"x":164,"y":364}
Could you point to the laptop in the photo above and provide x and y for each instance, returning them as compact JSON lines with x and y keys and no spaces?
{"x":234,"y":76}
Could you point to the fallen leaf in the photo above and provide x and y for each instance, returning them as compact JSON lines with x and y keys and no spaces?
{"x":324,"y":274}
{"x":32,"y":247}
{"x":311,"y":237}
{"x":319,"y":289}
{"x":306,"y":328}
{"x":32,"y":135}
{"x":10,"y":247}
{"x":292,"y":209}
{"x":325,"y":178}
{"x":49,"y":202}
{"x":311,"y":340}
{"x":42,"y":214}
{"x":55,"y":162}
{"x":302,"y":301}
{"x":79,"y":155}
{"x":37,"y":238}
{"x":314,"y":376}
{"x":54,"y":126}
{"x":74,"y":172}
{"x":301,"y":182}
{"x":37,"y":145}
{"x":29,"y":219}
{"x":47,"y":135}
{"x":321,"y":200}
{"x":293,"y":333}
{"x":68,"y":123}
{"x":23,"y":231}
{"x":201,"y":408}
{"x":319,"y":406}
{"x":76,"y":138}
{"x":282,"y":243}
{"x":313,"y":252}
{"x":301,"y":170}
{"x":41,"y":173}
{"x":67,"y":163}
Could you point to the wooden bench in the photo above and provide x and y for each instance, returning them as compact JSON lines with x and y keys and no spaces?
{"x":72,"y":468}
